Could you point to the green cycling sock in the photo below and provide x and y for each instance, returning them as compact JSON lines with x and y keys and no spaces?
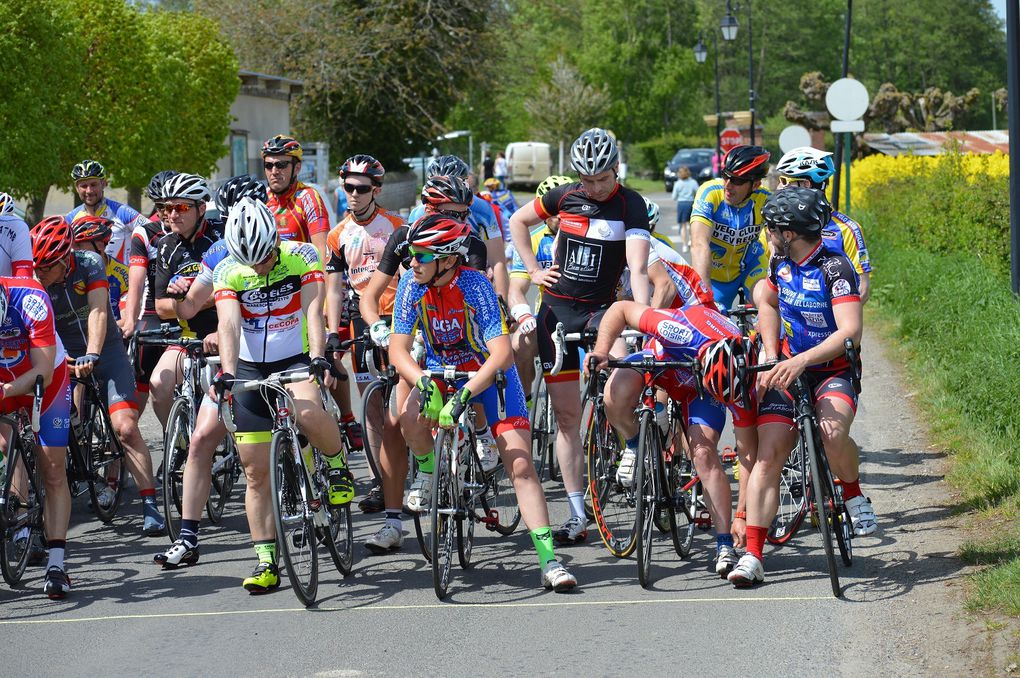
{"x":336,"y":461}
{"x":266,"y":551}
{"x":543,"y":541}
{"x":426,"y":462}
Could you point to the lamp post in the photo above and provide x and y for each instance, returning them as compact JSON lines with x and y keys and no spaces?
{"x":700,"y":54}
{"x":729,"y":27}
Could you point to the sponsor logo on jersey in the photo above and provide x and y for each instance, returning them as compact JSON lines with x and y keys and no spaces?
{"x":812,"y":285}
{"x":813,"y":319}
{"x":79,"y":287}
{"x":584,"y":260}
{"x":784,"y":273}
{"x":264,"y":295}
{"x":674,"y":332}
{"x":34,"y":307}
{"x":840,"y":288}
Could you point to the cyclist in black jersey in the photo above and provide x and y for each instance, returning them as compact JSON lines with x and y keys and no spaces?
{"x":603,"y":227}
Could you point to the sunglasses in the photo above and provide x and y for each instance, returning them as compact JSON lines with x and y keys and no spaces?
{"x":179,"y":207}
{"x":772,"y":227}
{"x":360,"y":189}
{"x":459,"y":215}
{"x":423,"y":257}
{"x":793,"y":181}
{"x":280,"y":164}
{"x":736,"y":181}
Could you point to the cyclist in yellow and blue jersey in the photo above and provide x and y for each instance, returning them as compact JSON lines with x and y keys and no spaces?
{"x":726,"y":224}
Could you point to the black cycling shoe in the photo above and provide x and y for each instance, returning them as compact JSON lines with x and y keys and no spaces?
{"x":57,"y":584}
{"x":177,"y":555}
{"x":373,"y":501}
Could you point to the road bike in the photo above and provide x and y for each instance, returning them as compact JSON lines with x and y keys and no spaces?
{"x":22,"y":493}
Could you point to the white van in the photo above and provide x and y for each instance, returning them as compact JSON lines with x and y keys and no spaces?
{"x":528,"y":163}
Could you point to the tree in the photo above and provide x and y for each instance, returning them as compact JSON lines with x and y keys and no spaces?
{"x":567,"y":106}
{"x":40,"y":57}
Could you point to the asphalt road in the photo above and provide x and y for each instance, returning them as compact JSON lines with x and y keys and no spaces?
{"x":899,"y":616}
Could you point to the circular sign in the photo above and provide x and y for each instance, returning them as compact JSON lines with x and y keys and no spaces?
{"x":793,"y":137}
{"x":847,"y":99}
{"x":730,"y":139}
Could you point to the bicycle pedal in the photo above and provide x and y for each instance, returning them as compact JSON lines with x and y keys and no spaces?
{"x":728,"y":455}
{"x":703,"y":521}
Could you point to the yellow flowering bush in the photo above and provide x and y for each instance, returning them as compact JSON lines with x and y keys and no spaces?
{"x":879,"y":170}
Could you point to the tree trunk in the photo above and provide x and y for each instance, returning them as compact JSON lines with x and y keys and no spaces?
{"x":134,"y":198}
{"x":36,"y":208}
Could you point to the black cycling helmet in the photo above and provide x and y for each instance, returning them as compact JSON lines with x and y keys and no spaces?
{"x":801,"y":210}
{"x":235,"y":188}
{"x":447,"y":166}
{"x":87,"y":169}
{"x":154,"y":190}
{"x":365,"y":165}
{"x":746,"y":162}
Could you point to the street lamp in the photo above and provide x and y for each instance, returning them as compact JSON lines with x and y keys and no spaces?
{"x":700,"y":55}
{"x":729,"y":27}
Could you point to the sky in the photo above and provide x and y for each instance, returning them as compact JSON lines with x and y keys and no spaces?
{"x":1000,"y":7}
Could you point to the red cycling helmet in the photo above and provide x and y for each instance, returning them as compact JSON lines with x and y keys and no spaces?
{"x":51,"y":241}
{"x":747,"y":162}
{"x":440,"y":234}
{"x":723,"y":365}
{"x":442,"y":189}
{"x":91,"y":228}
{"x":365,"y":165}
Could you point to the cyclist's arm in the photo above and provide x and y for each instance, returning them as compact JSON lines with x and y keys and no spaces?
{"x":501,"y":357}
{"x":620,"y":315}
{"x":400,"y":358}
{"x":637,"y":260}
{"x":136,"y":285}
{"x":518,"y":290}
{"x":521,"y":223}
{"x":849,"y":324}
{"x":42,"y":364}
{"x":865,"y":284}
{"x":767,"y":299}
{"x":369,"y":297}
{"x":228,"y":312}
{"x":311,"y":305}
{"x":664,"y":292}
{"x":199,"y":298}
{"x":334,"y":300}
{"x":319,"y":241}
{"x":701,"y":253}
{"x":99,"y":308}
{"x":495,"y":249}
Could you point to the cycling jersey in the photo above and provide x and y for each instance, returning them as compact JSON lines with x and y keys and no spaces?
{"x":300,"y":213}
{"x":660,"y":248}
{"x":15,"y":248}
{"x":212,"y":257}
{"x":844,"y":235}
{"x":354,"y":249}
{"x":85,"y":273}
{"x":807,"y":291}
{"x":125,"y":220}
{"x":542,"y":240}
{"x":396,"y":254}
{"x":456,"y":320}
{"x":481,"y":217}
{"x":27,"y":325}
{"x":733,"y":229}
{"x":591,"y":248}
{"x":690,"y":288}
{"x":505,"y":200}
{"x":117,"y":276}
{"x":273,"y":325}
{"x":144,"y":254}
{"x":181,"y":257}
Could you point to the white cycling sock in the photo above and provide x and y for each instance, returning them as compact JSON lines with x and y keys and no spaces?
{"x":576,"y":500}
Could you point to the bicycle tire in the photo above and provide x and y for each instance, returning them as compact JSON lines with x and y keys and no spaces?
{"x":794,"y":483}
{"x":340,"y":538}
{"x":539,"y":429}
{"x":646,"y":495}
{"x":469,"y":500}
{"x":296,"y":539}
{"x":422,"y":520}
{"x":443,"y":503}
{"x":370,"y":454}
{"x":175,"y":446}
{"x":679,"y":473}
{"x":501,"y":498}
{"x":223,"y":476}
{"x":612,"y":504}
{"x":821,"y":504}
{"x":103,"y":450}
{"x":842,"y":526}
{"x":13,"y":553}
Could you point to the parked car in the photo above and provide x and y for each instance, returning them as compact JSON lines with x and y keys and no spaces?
{"x":698,"y":160}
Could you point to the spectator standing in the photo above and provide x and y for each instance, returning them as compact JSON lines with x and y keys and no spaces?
{"x":684,"y":190}
{"x":500,"y":169}
{"x":488,"y":165}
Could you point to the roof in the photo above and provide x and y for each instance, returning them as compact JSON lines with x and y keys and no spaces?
{"x":934,"y":143}
{"x":262,"y":76}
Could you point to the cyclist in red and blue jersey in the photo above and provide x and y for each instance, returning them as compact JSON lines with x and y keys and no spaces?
{"x":89,"y":179}
{"x":603,"y":227}
{"x":30,"y":347}
{"x":808,"y":307}
{"x":695,"y":331}
{"x":460,"y":317}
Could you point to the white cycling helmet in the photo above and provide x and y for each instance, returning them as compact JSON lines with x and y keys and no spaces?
{"x":653,"y":214}
{"x":807,"y":163}
{"x":6,"y":209}
{"x":250,"y":231}
{"x":186,"y":187}
{"x":594,"y":152}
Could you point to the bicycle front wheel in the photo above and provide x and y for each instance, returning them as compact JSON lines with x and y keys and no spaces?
{"x":443,"y":509}
{"x":104,"y":455}
{"x":371,"y":399}
{"x":295,"y":527}
{"x":646,"y":494}
{"x":612,"y":504}
{"x":340,"y":538}
{"x":178,"y":438}
{"x":21,"y":507}
{"x":541,"y":432}
{"x":822,"y":505}
{"x":793,"y":498}
{"x":224,"y":473}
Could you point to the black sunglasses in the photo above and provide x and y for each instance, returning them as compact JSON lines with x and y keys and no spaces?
{"x":279,"y":164}
{"x":459,"y":215}
{"x":736,"y":181}
{"x":360,"y":189}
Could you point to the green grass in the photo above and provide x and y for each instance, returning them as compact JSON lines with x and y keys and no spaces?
{"x":645,"y":185}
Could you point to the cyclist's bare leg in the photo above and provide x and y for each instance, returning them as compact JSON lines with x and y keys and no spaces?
{"x":704,"y":445}
{"x":318,"y":425}
{"x":139,"y":461}
{"x":57,"y":504}
{"x":621,"y":398}
{"x":566,"y":402}
{"x":393,"y":454}
{"x":525,"y":348}
{"x":513,"y":450}
{"x":165,"y":376}
{"x":747,"y":453}
{"x":775,"y":441}
{"x":258,"y":497}
{"x":415,"y":429}
{"x":834,"y":418}
{"x":209,"y":431}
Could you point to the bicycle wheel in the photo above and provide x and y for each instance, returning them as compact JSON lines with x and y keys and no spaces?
{"x":21,"y":507}
{"x":821,"y":497}
{"x":793,"y":498}
{"x":422,"y":520}
{"x":443,"y":508}
{"x":646,"y":494}
{"x":175,"y":444}
{"x":104,"y":455}
{"x":295,"y":526}
{"x":222,"y":486}
{"x":541,"y":432}
{"x":612,"y":504}
{"x":372,"y":398}
{"x":842,"y":526}
{"x":501,"y":498}
{"x":340,"y":538}
{"x":473,"y":476}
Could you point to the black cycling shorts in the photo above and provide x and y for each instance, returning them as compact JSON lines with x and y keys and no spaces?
{"x":253,"y":415}
{"x":576,"y":317}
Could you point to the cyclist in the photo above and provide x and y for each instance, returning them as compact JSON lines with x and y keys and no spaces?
{"x":603,"y":227}
{"x":269,"y":305}
{"x":79,"y":293}
{"x":32,"y":348}
{"x":354,"y":249}
{"x":300,"y":213}
{"x":482,"y":219}
{"x":93,"y":234}
{"x":15,"y":245}
{"x":542,"y":238}
{"x":457,"y":312}
{"x":441,"y":194}
{"x":810,"y":168}
{"x":192,"y":296}
{"x":90,"y":183}
{"x":811,"y":297}
{"x":502,"y":196}
{"x":726,"y":225}
{"x":695,"y":331}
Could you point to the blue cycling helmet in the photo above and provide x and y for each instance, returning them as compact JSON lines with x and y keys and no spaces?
{"x":807,"y":163}
{"x":653,"y":214}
